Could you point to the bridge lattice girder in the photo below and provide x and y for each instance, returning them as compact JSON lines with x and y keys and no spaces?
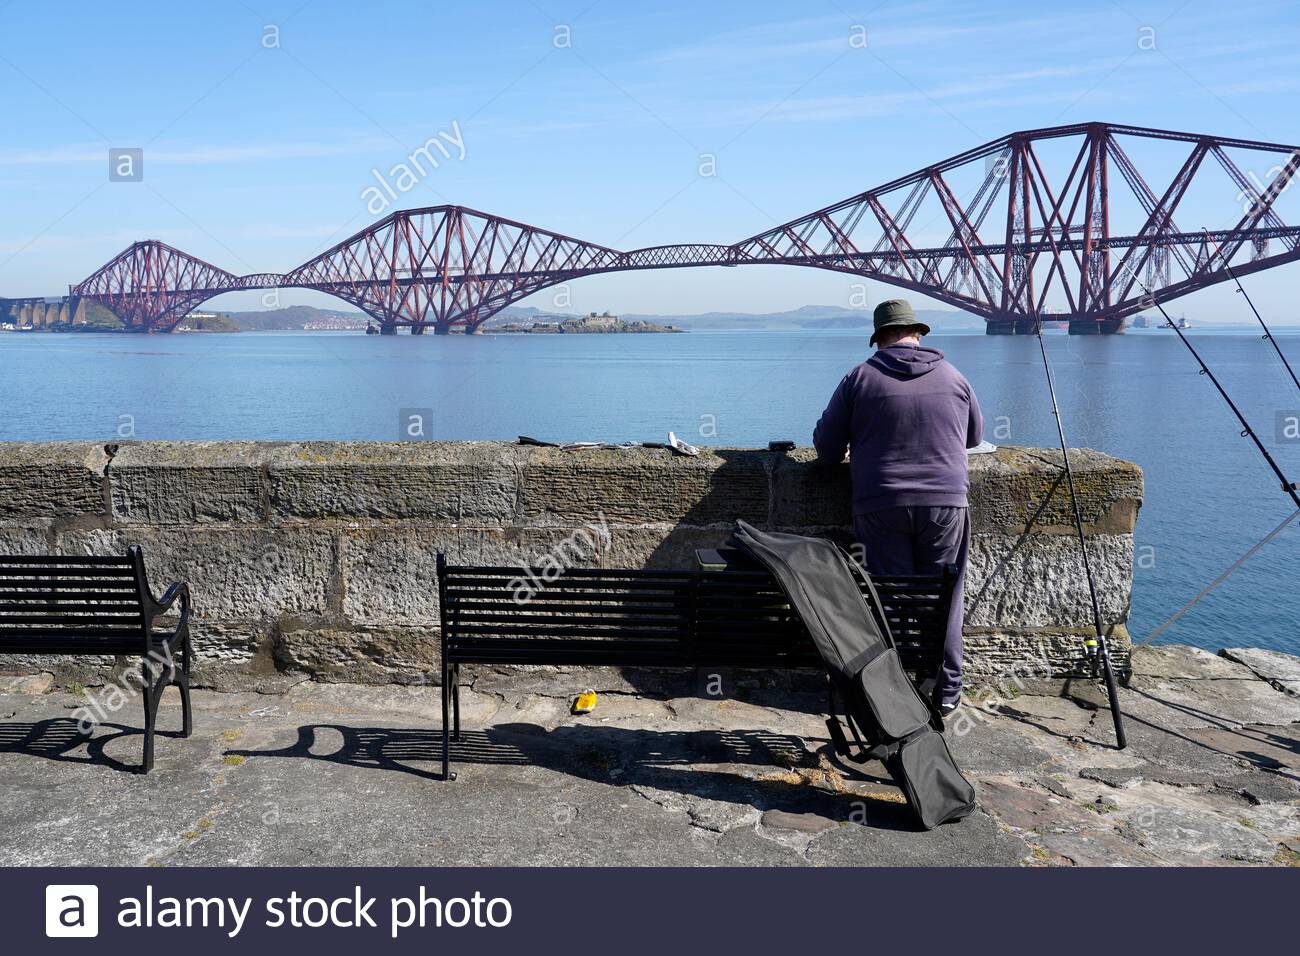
{"x":1033,"y":237}
{"x":1050,"y":236}
{"x":153,"y":285}
{"x":446,"y":265}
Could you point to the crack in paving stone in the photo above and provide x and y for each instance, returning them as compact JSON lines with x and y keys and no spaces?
{"x":1054,"y":786}
{"x":706,"y":814}
{"x":810,"y":824}
{"x":1260,"y":787}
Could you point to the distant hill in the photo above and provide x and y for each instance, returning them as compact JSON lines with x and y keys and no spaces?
{"x":297,"y":317}
{"x":100,"y":317}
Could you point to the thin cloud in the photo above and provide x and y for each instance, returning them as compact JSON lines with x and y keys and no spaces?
{"x":280,"y":231}
{"x":801,"y":38}
{"x":926,"y":25}
{"x":826,"y":108}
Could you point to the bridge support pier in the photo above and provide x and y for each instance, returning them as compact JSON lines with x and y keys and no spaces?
{"x":1010,"y":326}
{"x":1096,"y":326}
{"x":442,"y":328}
{"x":386,"y":329}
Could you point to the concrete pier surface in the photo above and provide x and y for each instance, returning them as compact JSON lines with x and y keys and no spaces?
{"x":334,"y":774}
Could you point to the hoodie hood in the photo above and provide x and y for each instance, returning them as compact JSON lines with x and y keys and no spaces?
{"x":910,"y":361}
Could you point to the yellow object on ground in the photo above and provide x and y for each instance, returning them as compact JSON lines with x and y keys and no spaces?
{"x":585,"y":702}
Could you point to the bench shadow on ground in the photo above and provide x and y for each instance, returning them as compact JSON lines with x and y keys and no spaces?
{"x":692,"y":764}
{"x":61,"y":739}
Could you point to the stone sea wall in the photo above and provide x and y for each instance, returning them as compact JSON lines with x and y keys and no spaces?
{"x":316,"y":560}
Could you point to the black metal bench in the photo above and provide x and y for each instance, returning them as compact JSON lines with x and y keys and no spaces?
{"x":81,"y":604}
{"x":648,"y":618}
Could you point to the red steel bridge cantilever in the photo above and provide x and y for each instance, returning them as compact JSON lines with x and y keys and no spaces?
{"x":1046,"y":228}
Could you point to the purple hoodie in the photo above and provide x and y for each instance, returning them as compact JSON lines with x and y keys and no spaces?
{"x":908,"y":417}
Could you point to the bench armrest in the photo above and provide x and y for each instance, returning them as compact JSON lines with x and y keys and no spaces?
{"x":164,"y":604}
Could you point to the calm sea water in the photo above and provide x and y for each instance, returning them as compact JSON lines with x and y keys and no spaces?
{"x":1209,"y":497}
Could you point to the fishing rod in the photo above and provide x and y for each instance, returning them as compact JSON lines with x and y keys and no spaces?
{"x":1242,"y":289}
{"x":1288,"y":486}
{"x":1096,"y":648}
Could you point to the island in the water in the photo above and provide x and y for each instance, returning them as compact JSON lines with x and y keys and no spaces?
{"x":586,"y":324}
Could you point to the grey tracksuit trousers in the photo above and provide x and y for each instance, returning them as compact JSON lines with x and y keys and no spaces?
{"x":921,"y":539}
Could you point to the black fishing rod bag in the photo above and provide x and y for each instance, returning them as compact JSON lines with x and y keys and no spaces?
{"x":885,"y":715}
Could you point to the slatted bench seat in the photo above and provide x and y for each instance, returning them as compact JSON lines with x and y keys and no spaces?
{"x":650,"y":618}
{"x":93,"y":605}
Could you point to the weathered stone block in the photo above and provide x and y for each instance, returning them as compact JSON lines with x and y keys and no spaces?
{"x":32,"y":685}
{"x":181,"y":483}
{"x":1007,"y":662}
{"x":67,"y":671}
{"x":238,"y":573}
{"x":660,"y":546}
{"x":1039,"y":580}
{"x":806,"y":494}
{"x":390,"y":575}
{"x":1012,"y":490}
{"x":25,"y":539}
{"x":52,"y":480}
{"x":1015,"y":490}
{"x":451,"y":481}
{"x":222,"y":642}
{"x":362,"y":655}
{"x":646,"y":485}
{"x":233,"y":655}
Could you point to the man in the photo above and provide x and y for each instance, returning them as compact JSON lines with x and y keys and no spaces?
{"x":908,"y":417}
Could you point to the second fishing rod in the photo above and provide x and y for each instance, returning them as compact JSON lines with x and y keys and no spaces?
{"x":1268,"y":333}
{"x":1288,"y":486}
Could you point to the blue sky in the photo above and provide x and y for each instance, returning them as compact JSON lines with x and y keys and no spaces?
{"x":262,"y":121}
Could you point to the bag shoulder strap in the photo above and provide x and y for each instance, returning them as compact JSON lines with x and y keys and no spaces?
{"x":877,"y":606}
{"x":855,"y":664}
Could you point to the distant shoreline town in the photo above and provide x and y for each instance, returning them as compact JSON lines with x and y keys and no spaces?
{"x":524,"y":320}
{"x":511,"y":320}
